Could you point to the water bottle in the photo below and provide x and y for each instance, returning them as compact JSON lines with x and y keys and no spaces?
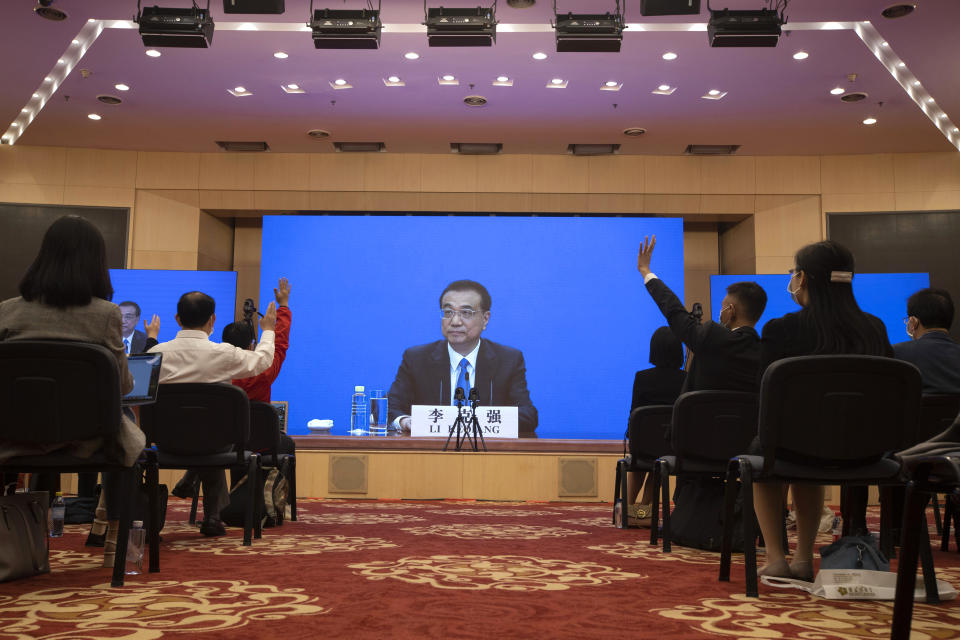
{"x":57,"y":511}
{"x":358,"y":411}
{"x":837,"y":528}
{"x":135,"y":548}
{"x":378,"y":412}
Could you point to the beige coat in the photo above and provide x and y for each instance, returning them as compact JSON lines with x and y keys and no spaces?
{"x":97,"y":323}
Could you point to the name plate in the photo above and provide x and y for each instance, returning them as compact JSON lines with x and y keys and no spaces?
{"x":437,"y":421}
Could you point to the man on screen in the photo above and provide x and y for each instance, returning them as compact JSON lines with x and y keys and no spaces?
{"x":428,"y":372}
{"x":134,"y":340}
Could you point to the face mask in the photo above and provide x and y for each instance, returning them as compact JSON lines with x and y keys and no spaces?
{"x":910,"y":328}
{"x":720,"y":317}
{"x":793,"y":292}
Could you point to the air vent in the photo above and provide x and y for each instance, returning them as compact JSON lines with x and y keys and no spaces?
{"x":711,"y":149}
{"x":474,"y":101}
{"x":592,"y":149}
{"x":242,"y":147}
{"x":899,"y":10}
{"x":359,"y":147}
{"x":318,"y":134}
{"x":109,"y":99}
{"x":50,"y":13}
{"x":634,"y":132}
{"x":476,"y":148}
{"x":854,"y":96}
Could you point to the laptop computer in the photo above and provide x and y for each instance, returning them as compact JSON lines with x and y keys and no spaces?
{"x":145,"y":368}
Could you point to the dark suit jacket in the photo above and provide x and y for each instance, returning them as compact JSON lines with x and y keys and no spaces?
{"x":938,"y":358}
{"x":790,"y":336}
{"x":424,"y":378}
{"x":722,"y":359}
{"x":138,"y":342}
{"x":657,"y":385}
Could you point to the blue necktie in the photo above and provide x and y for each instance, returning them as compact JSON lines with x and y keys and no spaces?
{"x":461,"y":381}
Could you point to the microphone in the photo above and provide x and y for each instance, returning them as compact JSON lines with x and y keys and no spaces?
{"x":474,"y":396}
{"x":459,"y":395}
{"x":249,"y":308}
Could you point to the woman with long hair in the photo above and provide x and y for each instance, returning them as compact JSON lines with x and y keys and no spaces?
{"x":829,"y":322}
{"x":65,"y":295}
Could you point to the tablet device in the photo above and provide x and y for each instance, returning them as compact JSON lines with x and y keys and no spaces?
{"x":145,"y":368}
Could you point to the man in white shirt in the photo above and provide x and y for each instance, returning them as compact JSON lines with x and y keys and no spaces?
{"x":192,"y":357}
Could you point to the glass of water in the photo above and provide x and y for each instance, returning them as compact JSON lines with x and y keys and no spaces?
{"x":378,"y":413}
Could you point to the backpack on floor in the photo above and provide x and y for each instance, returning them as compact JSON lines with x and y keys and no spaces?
{"x":697,"y":519}
{"x":275,"y":492}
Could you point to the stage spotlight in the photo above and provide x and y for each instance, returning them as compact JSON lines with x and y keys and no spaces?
{"x":476,"y":27}
{"x":346,"y":28}
{"x":589,"y":31}
{"x":175,"y":26}
{"x":253,"y":6}
{"x":669,"y":7}
{"x":753,"y":28}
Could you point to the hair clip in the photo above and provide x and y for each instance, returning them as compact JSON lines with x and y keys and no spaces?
{"x":841,"y":276}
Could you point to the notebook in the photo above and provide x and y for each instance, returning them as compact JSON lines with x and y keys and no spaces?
{"x":145,"y":368}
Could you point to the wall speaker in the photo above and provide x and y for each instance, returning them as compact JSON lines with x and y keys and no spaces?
{"x":577,"y":477}
{"x":348,"y":474}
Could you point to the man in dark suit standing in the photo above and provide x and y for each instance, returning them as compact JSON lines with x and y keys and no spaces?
{"x":726,"y":354}
{"x":134,"y":340}
{"x":428,"y":372}
{"x":930,"y":348}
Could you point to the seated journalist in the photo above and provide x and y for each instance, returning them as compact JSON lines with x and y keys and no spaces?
{"x":192,"y":357}
{"x":930,"y":348}
{"x":428,"y":372}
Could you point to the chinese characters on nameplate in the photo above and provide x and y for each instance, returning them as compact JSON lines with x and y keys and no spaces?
{"x":436,"y":421}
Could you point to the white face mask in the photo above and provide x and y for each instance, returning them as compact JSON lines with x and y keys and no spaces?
{"x":720,"y":317}
{"x":793,"y":292}
{"x":910,"y":328}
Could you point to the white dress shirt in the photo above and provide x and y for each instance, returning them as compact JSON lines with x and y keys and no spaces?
{"x":192,"y":357}
{"x":455,"y":359}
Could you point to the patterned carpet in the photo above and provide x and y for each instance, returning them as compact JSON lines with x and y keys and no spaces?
{"x":368,"y":569}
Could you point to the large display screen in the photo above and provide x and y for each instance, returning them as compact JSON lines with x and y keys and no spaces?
{"x":882,"y":294}
{"x":565,"y":291}
{"x":157,"y":291}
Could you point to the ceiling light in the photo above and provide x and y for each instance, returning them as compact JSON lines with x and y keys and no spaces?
{"x":557,"y":83}
{"x":801,"y":55}
{"x":930,"y":99}
{"x":836,"y":91}
{"x":36,"y":95}
{"x":153,"y":53}
{"x":121,"y":87}
{"x":293,"y":86}
{"x":664,"y":90}
{"x":503,"y":81}
{"x":346,"y":28}
{"x":901,"y":64}
{"x":663,"y":87}
{"x":74,"y":42}
{"x":48,"y":79}
{"x":281,"y":55}
{"x":60,"y":61}
{"x":339,"y":82}
{"x":750,"y":28}
{"x":669,"y":55}
{"x":176,"y":27}
{"x":93,"y":116}
{"x":24,"y":110}
{"x":411,"y":55}
{"x":539,"y":55}
{"x":589,"y":32}
{"x":239,"y":92}
{"x":916,"y":83}
{"x":240,"y":89}
{"x":611,"y":83}
{"x":394,"y":79}
{"x":870,"y":121}
{"x":461,"y":27}
{"x":502,"y":78}
{"x":884,"y":44}
{"x":714,"y":94}
{"x":449,"y":78}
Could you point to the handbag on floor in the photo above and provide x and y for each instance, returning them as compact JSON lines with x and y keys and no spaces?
{"x":854,"y":552}
{"x":24,"y":535}
{"x":847,"y":584}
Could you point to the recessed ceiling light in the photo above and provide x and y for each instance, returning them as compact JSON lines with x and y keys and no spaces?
{"x":901,"y":64}
{"x":557,"y":81}
{"x":502,"y":79}
{"x":293,"y":86}
{"x":60,"y":61}
{"x":884,"y":44}
{"x":36,"y":95}
{"x":836,"y":91}
{"x":24,"y":110}
{"x":539,"y":55}
{"x":930,"y":99}
{"x":394,"y":79}
{"x":240,"y":89}
{"x":611,"y":83}
{"x":714,"y":92}
{"x":93,"y":116}
{"x":870,"y":121}
{"x":281,"y":55}
{"x":663,"y":87}
{"x":941,"y":115}
{"x":669,"y":55}
{"x":153,"y":53}
{"x":121,"y":87}
{"x":411,"y":55}
{"x":801,"y":55}
{"x":955,"y":129}
{"x":449,"y":78}
{"x":339,"y":82}
{"x":48,"y":79}
{"x":74,"y":42}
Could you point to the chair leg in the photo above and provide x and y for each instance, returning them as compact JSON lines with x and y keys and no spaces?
{"x":749,"y":530}
{"x":907,"y":565}
{"x":260,"y":505}
{"x":292,"y":483}
{"x":665,"y":472}
{"x":248,"y":512}
{"x":655,"y":478}
{"x":616,"y":496}
{"x":936,"y":514}
{"x":947,"y":519}
{"x":926,"y":562}
{"x":729,"y":505}
{"x":886,"y":543}
{"x":129,"y":485}
{"x":153,"y":532}
{"x":193,"y":505}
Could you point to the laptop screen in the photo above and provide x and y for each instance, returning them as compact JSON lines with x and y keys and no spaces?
{"x":145,"y":369}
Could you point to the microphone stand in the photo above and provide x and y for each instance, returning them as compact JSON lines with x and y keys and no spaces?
{"x":475,"y":423}
{"x":458,"y":423}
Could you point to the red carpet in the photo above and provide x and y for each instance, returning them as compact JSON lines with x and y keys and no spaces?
{"x":364,"y":569}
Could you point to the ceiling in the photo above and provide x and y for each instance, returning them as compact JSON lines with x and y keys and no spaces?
{"x":774,"y":104}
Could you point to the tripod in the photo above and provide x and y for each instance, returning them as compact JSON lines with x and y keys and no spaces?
{"x":458,"y":424}
{"x":467,"y":430}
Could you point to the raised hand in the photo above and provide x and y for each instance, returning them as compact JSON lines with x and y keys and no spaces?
{"x":282,"y":293}
{"x":269,"y":320}
{"x":646,"y":252}
{"x":153,"y":329}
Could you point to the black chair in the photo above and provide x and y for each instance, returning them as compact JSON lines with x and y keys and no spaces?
{"x":204,"y":426}
{"x":55,"y":392}
{"x":708,"y":428}
{"x":265,"y":439}
{"x":824,"y":420}
{"x":648,"y":438}
{"x":928,"y":475}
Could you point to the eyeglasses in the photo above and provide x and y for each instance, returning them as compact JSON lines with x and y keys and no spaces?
{"x":129,"y":316}
{"x":465,"y":314}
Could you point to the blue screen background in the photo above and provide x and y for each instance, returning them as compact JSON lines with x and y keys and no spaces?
{"x":882,"y":294}
{"x":158,"y":290}
{"x":565,"y":291}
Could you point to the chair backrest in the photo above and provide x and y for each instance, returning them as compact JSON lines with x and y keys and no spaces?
{"x":937,"y":412}
{"x":714,"y":426}
{"x":649,"y":432}
{"x":58,"y":391}
{"x":838,"y":410}
{"x":197,"y":418}
{"x":264,"y":428}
